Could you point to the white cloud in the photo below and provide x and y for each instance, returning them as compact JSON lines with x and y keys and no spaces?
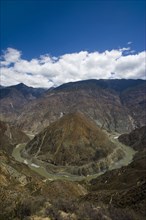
{"x":125,"y":49}
{"x":47,"y":71}
{"x":10,"y":56}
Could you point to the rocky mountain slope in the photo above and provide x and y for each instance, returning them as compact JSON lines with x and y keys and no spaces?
{"x":74,"y":141}
{"x":124,"y":188}
{"x":14,"y":98}
{"x":111,"y":84}
{"x":116,"y":105}
{"x":75,"y":144}
{"x":134,"y":99}
{"x":10,"y":136}
{"x":136,"y":139}
{"x":118,"y":194}
{"x":25,"y":195}
{"x":27,"y":92}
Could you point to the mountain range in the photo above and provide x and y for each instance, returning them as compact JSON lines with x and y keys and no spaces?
{"x":115,"y":105}
{"x":86,"y":142}
{"x":14,"y":98}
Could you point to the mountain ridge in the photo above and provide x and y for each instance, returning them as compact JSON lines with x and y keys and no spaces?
{"x":21,"y":87}
{"x":114,"y":84}
{"x":119,"y":111}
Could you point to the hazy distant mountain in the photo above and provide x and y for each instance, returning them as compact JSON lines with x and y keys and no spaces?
{"x":13,"y":99}
{"x":27,"y":92}
{"x":118,"y":85}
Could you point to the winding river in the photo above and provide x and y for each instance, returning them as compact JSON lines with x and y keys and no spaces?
{"x":39,"y":166}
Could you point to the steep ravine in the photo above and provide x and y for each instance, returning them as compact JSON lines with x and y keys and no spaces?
{"x":40,"y":167}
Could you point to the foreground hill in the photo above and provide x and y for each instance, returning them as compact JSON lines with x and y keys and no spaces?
{"x":74,"y":141}
{"x":25,"y":195}
{"x":116,"y":105}
{"x":117,"y":194}
{"x":124,"y":188}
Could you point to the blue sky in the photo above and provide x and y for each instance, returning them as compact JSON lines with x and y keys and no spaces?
{"x":48,"y":42}
{"x":59,"y":27}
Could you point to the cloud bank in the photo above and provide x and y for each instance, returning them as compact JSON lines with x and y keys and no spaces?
{"x":48,"y":71}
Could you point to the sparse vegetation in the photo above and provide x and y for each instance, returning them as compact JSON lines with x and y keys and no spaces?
{"x":75,"y":145}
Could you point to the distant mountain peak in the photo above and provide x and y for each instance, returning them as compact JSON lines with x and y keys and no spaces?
{"x":21,"y":89}
{"x":21,"y":85}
